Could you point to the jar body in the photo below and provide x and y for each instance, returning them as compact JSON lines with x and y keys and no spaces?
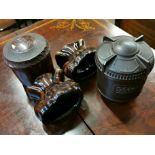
{"x":28,"y":74}
{"x":117,"y":90}
{"x":28,"y":55}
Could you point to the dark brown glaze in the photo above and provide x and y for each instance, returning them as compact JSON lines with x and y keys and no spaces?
{"x":76,"y":60}
{"x":28,"y":56}
{"x":55,"y":98}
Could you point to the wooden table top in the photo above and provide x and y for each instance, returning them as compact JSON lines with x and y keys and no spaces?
{"x":95,"y":116}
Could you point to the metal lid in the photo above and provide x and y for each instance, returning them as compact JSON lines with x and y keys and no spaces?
{"x":24,"y":48}
{"x":125,"y":47}
{"x":124,"y":54}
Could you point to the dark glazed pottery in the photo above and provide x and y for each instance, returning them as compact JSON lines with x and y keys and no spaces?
{"x":123,"y":64}
{"x":28,"y":56}
{"x":76,"y":60}
{"x":54,"y":97}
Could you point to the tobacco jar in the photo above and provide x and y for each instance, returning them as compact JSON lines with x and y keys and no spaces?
{"x":123,"y":64}
{"x":28,"y":55}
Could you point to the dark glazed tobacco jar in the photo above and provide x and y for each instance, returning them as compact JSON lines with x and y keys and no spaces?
{"x":123,"y":64}
{"x":28,"y":56}
{"x":55,"y":98}
{"x":76,"y":60}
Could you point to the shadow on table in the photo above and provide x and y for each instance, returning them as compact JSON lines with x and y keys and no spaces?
{"x":124,"y":111}
{"x":68,"y":123}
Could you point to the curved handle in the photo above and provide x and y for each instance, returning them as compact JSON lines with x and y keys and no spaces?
{"x":59,"y":76}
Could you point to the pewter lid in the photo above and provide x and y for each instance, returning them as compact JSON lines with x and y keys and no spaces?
{"x":24,"y":47}
{"x":124,"y":54}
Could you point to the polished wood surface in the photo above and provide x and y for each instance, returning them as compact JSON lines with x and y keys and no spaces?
{"x":5,"y":23}
{"x":138,"y":27}
{"x":96,"y":116}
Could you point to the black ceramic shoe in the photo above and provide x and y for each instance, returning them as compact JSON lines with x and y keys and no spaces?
{"x":76,"y":60}
{"x":55,"y":98}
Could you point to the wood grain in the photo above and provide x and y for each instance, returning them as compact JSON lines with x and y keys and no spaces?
{"x":138,"y":27}
{"x":96,"y":115}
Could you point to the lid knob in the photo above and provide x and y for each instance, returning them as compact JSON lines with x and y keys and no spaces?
{"x":125,"y":48}
{"x":22,"y":44}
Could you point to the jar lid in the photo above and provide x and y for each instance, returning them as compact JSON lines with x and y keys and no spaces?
{"x":125,"y":47}
{"x":24,"y":48}
{"x":124,"y":54}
